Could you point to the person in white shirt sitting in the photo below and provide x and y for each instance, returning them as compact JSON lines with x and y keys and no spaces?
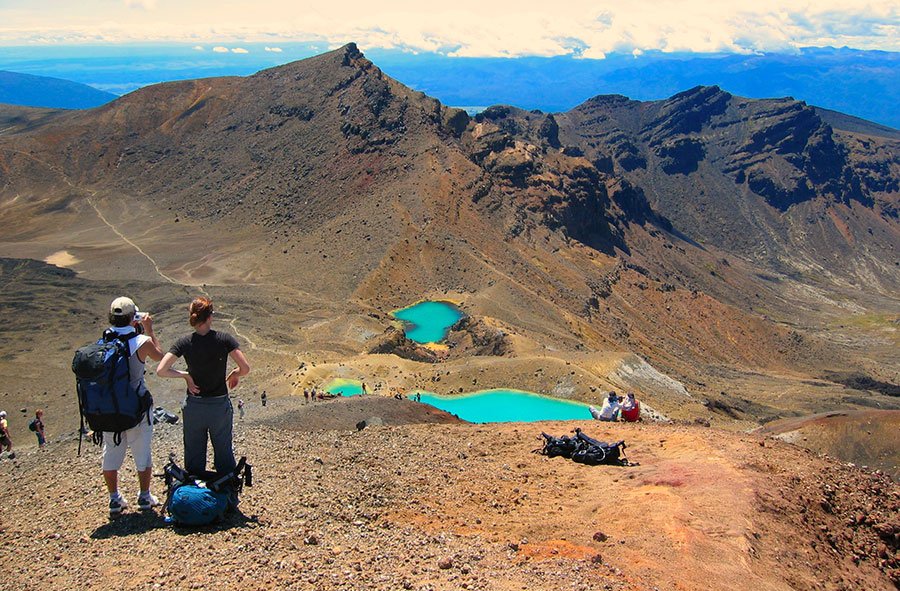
{"x":610,"y":409}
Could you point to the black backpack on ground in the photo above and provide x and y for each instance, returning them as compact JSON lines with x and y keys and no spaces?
{"x":563,"y":446}
{"x":584,"y":449}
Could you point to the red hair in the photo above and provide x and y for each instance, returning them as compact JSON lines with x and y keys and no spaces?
{"x":201,"y":309}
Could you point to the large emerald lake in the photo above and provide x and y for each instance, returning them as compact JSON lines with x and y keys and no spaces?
{"x":344,"y":387}
{"x":428,"y":322}
{"x":507,"y":406}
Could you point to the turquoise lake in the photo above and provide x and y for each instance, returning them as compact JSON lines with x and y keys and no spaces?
{"x":507,"y":406}
{"x":344,"y":387}
{"x":428,"y":322}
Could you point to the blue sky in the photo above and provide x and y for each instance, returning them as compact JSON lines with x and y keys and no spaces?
{"x":464,"y":28}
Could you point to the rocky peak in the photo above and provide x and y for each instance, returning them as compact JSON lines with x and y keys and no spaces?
{"x":685,"y":113}
{"x":608,"y":101}
{"x":789,"y":156}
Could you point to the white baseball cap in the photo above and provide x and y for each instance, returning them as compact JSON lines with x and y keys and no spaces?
{"x":122,"y":306}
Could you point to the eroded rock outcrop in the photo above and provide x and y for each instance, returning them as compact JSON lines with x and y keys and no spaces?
{"x":393,"y":341}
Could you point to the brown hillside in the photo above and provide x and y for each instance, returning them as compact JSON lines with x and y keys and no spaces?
{"x":467,"y":507}
{"x":317,"y":196}
{"x":868,"y":438}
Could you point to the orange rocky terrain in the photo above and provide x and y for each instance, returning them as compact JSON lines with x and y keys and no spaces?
{"x":459,"y":506}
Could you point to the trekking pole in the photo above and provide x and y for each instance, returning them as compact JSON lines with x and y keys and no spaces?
{"x":80,"y":416}
{"x":80,"y":435}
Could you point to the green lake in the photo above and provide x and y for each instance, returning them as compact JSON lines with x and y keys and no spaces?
{"x":344,"y":387}
{"x":507,"y":406}
{"x":429,"y":321}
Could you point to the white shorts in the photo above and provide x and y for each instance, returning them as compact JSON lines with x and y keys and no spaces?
{"x":138,"y":438}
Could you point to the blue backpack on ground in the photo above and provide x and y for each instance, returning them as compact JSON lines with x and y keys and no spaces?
{"x":195,"y":500}
{"x":191,"y":504}
{"x":106,"y":399}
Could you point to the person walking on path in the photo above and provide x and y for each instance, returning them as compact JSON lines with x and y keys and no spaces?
{"x":37,"y":425}
{"x":5,"y":440}
{"x":263,"y":398}
{"x":208,"y":413}
{"x":124,"y":321}
{"x":241,"y":407}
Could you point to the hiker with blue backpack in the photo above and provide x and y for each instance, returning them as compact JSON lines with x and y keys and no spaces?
{"x":114,"y":399}
{"x":207,"y":412}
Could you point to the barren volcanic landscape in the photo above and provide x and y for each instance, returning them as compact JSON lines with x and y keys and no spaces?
{"x":732,"y":261}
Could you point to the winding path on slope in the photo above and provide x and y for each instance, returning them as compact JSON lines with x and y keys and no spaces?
{"x":232,"y":322}
{"x":135,"y":246}
{"x":91,"y":194}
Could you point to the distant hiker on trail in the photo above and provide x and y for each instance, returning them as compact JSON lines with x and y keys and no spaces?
{"x":609,"y":410}
{"x":263,"y":398}
{"x":37,"y":425}
{"x":241,"y":407}
{"x":631,"y":409}
{"x":365,"y":390}
{"x":123,"y":316}
{"x":305,"y":395}
{"x":207,"y":410}
{"x":5,"y":440}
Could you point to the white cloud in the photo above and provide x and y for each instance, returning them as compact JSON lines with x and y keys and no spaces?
{"x":239,"y":50}
{"x":274,"y":49}
{"x":220,"y":49}
{"x":586,"y":28}
{"x":144,"y":4}
{"x":198,"y":48}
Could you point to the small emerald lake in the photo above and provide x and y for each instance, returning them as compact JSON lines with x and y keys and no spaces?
{"x":507,"y":406}
{"x":344,"y":387}
{"x":429,"y":321}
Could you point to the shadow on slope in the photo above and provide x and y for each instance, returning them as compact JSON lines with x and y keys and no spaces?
{"x":343,"y":414}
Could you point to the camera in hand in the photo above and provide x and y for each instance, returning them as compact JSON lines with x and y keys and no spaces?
{"x":139,"y":322}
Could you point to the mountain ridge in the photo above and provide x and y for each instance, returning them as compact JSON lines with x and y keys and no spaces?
{"x":617,"y":226}
{"x":47,"y":92}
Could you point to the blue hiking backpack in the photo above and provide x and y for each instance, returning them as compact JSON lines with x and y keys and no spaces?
{"x":106,"y":399}
{"x":191,"y":504}
{"x":195,"y":500}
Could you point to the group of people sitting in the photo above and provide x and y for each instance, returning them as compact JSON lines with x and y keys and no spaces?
{"x":616,"y":407}
{"x":311,"y":395}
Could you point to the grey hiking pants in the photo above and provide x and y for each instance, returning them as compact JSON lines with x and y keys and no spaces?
{"x":212,"y":417}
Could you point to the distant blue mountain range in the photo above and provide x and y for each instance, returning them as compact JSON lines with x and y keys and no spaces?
{"x":865,"y":84}
{"x":43,"y":91}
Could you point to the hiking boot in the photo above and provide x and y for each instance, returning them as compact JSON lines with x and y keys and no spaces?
{"x":147,"y":502}
{"x":116,"y":506}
